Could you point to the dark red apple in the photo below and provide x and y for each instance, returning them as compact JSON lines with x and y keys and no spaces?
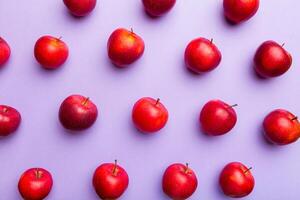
{"x":236,"y":180}
{"x":35,"y":184}
{"x":217,"y":117}
{"x":237,"y":11}
{"x":80,"y":8}
{"x":158,"y":8}
{"x":77,"y":112}
{"x":149,"y":115}
{"x":202,"y":55}
{"x":4,"y":51}
{"x":110,"y":181}
{"x":281,"y":127}
{"x":124,"y":47}
{"x":51,"y":52}
{"x":10,"y":120}
{"x":272,"y":60}
{"x":179,"y":181}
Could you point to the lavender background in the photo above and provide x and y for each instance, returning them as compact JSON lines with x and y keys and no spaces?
{"x":37,"y":94}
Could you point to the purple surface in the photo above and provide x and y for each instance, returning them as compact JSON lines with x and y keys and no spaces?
{"x":41,"y":141}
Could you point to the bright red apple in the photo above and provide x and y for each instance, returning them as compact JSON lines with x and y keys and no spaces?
{"x":51,"y":52}
{"x":217,"y":117}
{"x":110,"y":181}
{"x":10,"y":120}
{"x":35,"y":184}
{"x":281,"y":127}
{"x":149,"y":115}
{"x":4,"y":51}
{"x":158,"y":8}
{"x":272,"y":60}
{"x":237,"y":11}
{"x":202,"y":55}
{"x":179,"y":181}
{"x":77,"y":112}
{"x":236,"y":180}
{"x":80,"y":8}
{"x":124,"y":47}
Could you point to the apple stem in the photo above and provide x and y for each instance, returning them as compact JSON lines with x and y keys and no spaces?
{"x":38,"y":173}
{"x":234,"y":105}
{"x":295,"y":118}
{"x":187,"y":167}
{"x":131,"y":29}
{"x":157,"y":101}
{"x":247,"y":170}
{"x":283,"y":44}
{"x":85,"y":101}
{"x":115,"y":168}
{"x":211,"y":40}
{"x":5,"y":109}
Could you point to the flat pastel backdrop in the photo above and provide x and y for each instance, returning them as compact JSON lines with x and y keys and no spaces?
{"x":41,"y":141}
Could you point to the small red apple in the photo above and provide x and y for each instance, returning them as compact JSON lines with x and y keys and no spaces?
{"x":158,"y":8}
{"x":51,"y":52}
{"x":236,"y":180}
{"x":202,"y":55}
{"x":179,"y":181}
{"x":149,"y":115}
{"x":80,"y":8}
{"x":35,"y":184}
{"x":237,"y":11}
{"x":281,"y":127}
{"x":110,"y":181}
{"x":4,"y":51}
{"x":217,"y":117}
{"x":124,"y":47}
{"x":272,"y":60}
{"x":77,"y":112}
{"x":10,"y":120}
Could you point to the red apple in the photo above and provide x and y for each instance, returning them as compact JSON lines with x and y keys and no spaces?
{"x":217,"y":117}
{"x":281,"y":127}
{"x":35,"y":184}
{"x":149,"y":115}
{"x":272,"y":60}
{"x":4,"y":51}
{"x":80,"y":8}
{"x":10,"y":120}
{"x":110,"y":181}
{"x":51,"y":52}
{"x":236,"y":180}
{"x":179,"y":181}
{"x":124,"y":47}
{"x":158,"y":8}
{"x":237,"y":11}
{"x":202,"y":55}
{"x":77,"y":112}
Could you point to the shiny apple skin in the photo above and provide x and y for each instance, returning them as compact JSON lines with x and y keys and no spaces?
{"x":237,"y":11}
{"x":157,"y":8}
{"x":281,"y":127}
{"x":10,"y":120}
{"x":202,"y":55}
{"x":272,"y":60}
{"x":179,"y":181}
{"x":51,"y":52}
{"x":35,"y":184}
{"x":124,"y":47}
{"x":4,"y":52}
{"x":110,"y":181}
{"x":77,"y":113}
{"x":149,"y":115}
{"x":236,"y":180}
{"x":80,"y":8}
{"x":217,"y":118}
